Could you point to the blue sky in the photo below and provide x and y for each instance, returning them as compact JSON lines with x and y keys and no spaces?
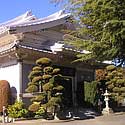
{"x":10,"y":9}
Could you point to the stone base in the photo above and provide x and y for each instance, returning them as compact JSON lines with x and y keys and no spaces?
{"x":107,"y":111}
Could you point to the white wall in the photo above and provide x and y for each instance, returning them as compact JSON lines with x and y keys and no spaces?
{"x":11,"y":74}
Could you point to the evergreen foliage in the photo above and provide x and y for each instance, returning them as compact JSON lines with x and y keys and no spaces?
{"x":90,"y":91}
{"x":40,"y":112}
{"x":101,"y":29}
{"x":115,"y":83}
{"x":112,"y":78}
{"x":34,"y":107}
{"x":45,"y":83}
{"x":17,"y":110}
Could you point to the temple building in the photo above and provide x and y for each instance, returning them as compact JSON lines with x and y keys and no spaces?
{"x":26,"y":38}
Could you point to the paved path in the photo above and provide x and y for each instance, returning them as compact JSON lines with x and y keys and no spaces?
{"x":116,"y":119}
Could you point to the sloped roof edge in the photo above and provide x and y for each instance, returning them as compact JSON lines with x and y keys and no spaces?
{"x":27,"y":19}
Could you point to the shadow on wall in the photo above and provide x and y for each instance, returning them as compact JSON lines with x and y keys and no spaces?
{"x":14,"y":94}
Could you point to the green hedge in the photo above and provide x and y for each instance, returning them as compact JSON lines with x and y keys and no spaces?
{"x":90,"y":91}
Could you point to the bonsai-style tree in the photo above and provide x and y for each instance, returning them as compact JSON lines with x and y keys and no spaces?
{"x":111,"y":78}
{"x":115,"y":83}
{"x":45,"y":84}
{"x":5,"y":94}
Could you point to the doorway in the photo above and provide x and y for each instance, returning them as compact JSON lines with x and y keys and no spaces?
{"x":80,"y":94}
{"x":67,"y":95}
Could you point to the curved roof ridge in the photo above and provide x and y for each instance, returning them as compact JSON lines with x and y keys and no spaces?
{"x":58,"y":15}
{"x":27,"y":19}
{"x":20,"y":19}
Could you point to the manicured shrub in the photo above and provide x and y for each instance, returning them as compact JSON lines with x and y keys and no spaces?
{"x":120,"y":81}
{"x":37,"y":68}
{"x":44,"y":62}
{"x":123,"y":94}
{"x":56,"y":70}
{"x":48,"y":70}
{"x":17,"y":110}
{"x":39,"y":98}
{"x":116,"y":89}
{"x":46,"y":84}
{"x":34,"y":73}
{"x":46,"y":76}
{"x":115,"y":83}
{"x":111,"y":86}
{"x":122,"y":89}
{"x":110,"y":68}
{"x":90,"y":92}
{"x":34,"y":107}
{"x":5,"y":94}
{"x":32,"y":83}
{"x":32,"y":88}
{"x":58,"y":88}
{"x":54,"y":101}
{"x":36,"y":79}
{"x":40,"y":112}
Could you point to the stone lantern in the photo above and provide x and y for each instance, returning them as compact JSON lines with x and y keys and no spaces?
{"x":106,"y":110}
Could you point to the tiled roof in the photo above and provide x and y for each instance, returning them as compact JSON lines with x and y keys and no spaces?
{"x":29,"y":22}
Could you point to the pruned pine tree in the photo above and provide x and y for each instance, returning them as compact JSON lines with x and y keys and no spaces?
{"x":115,"y":83}
{"x":45,"y":83}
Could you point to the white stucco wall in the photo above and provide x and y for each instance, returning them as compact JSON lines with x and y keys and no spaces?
{"x":11,"y":74}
